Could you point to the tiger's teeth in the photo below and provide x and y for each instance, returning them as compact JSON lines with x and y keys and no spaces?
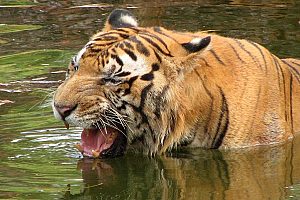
{"x":95,"y":153}
{"x":66,"y":125}
{"x":79,"y":147}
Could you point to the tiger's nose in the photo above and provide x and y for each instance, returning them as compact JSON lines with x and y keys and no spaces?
{"x":65,"y":111}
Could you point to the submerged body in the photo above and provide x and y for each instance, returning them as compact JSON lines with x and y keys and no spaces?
{"x":163,"y":89}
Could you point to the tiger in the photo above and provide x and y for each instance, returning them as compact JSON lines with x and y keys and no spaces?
{"x":159,"y":90}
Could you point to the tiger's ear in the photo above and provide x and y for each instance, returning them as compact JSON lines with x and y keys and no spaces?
{"x":197,"y":44}
{"x":185,"y":63}
{"x":120,"y":18}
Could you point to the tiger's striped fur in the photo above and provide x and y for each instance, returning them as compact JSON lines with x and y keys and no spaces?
{"x":182,"y":89}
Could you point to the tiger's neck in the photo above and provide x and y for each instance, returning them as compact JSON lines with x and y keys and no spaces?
{"x":196,"y":116}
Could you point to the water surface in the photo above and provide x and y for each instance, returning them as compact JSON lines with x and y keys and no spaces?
{"x":37,"y":157}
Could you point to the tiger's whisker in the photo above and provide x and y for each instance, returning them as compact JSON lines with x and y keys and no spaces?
{"x":41,"y":101}
{"x":115,"y":128}
{"x":98,"y":126}
{"x":103,"y":123}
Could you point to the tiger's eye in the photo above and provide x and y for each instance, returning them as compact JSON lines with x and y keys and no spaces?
{"x":113,"y":68}
{"x":101,"y":81}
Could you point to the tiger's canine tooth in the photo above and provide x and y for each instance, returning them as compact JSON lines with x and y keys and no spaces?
{"x":66,"y":125}
{"x":79,"y":147}
{"x":95,"y":153}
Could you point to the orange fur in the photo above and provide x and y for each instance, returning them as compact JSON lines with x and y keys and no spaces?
{"x":179,"y":90}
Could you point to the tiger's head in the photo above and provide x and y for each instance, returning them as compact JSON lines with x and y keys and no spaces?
{"x":123,"y":87}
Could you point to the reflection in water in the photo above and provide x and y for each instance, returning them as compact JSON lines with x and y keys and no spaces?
{"x":257,"y":173}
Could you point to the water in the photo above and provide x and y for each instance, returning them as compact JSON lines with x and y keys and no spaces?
{"x":37,"y":157}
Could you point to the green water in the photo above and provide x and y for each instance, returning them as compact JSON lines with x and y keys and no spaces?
{"x":37,"y":157}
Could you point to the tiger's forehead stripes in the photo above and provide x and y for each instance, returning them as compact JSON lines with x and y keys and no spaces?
{"x":124,"y":38}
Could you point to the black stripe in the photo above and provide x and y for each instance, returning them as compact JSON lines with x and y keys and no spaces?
{"x":221,"y":127}
{"x":157,"y":38}
{"x":123,"y":74}
{"x":128,"y":45}
{"x":157,"y":56}
{"x":158,"y":30}
{"x":122,"y":30}
{"x":134,"y":29}
{"x":108,"y":38}
{"x":124,"y":36}
{"x":102,"y":61}
{"x":285,"y":96}
{"x":172,"y":122}
{"x":99,"y":46}
{"x":236,"y":53}
{"x":140,"y":46}
{"x":278,"y":69}
{"x":144,"y":95}
{"x":139,"y":109}
{"x":205,"y":88}
{"x":217,"y":57}
{"x":121,"y":68}
{"x":129,"y":82}
{"x":291,"y":103}
{"x":131,"y":54}
{"x":160,"y":101}
{"x":147,"y":77}
{"x":93,"y":50}
{"x":143,"y":115}
{"x":142,"y":49}
{"x":156,"y":46}
{"x":118,"y":59}
{"x":260,"y":51}
{"x":206,"y":63}
{"x":120,"y":45}
{"x":111,"y":34}
{"x":256,"y":104}
{"x":211,"y":105}
{"x":298,"y":64}
{"x":155,"y":67}
{"x":248,"y":52}
{"x":294,"y":71}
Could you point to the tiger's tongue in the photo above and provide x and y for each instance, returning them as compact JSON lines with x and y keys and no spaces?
{"x":94,"y":141}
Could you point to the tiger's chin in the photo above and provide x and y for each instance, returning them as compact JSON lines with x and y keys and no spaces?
{"x":102,"y":142}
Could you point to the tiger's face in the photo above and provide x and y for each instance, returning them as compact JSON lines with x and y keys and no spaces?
{"x":119,"y":87}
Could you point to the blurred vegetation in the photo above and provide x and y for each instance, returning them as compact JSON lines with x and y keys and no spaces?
{"x":32,"y":63}
{"x":16,"y":2}
{"x":9,"y":28}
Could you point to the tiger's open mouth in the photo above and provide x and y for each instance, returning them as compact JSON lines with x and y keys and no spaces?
{"x":102,"y":142}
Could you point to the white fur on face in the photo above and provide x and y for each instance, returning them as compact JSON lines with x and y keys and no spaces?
{"x":81,"y":52}
{"x":55,"y":112}
{"x":79,"y":55}
{"x":138,"y":67}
